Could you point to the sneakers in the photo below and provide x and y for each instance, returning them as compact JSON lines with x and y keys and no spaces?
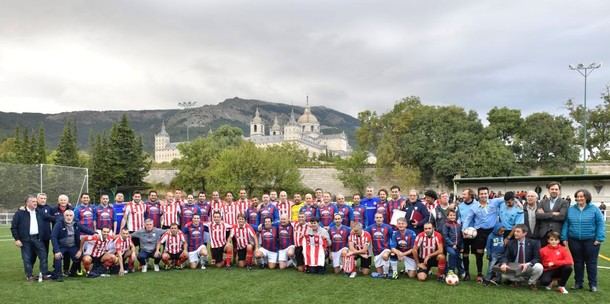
{"x":145,"y":268}
{"x":479,"y":278}
{"x":441,"y":278}
{"x":466,"y":277}
{"x":549,"y":287}
{"x":352,"y":275}
{"x":202,"y":266}
{"x":156,"y":268}
{"x":562,"y":290}
{"x":593,"y":289}
{"x":249,"y":267}
{"x":228,"y":267}
{"x":394,"y":275}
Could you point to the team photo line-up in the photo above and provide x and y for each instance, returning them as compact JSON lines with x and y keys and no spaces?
{"x":538,"y":242}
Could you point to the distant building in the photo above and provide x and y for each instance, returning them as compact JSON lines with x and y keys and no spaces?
{"x":304,"y":132}
{"x":165,"y":151}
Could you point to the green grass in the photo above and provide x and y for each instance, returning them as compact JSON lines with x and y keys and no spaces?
{"x":237,"y":285}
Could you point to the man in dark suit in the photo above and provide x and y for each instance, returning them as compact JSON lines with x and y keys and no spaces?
{"x":552,"y":212}
{"x":29,"y":231}
{"x":521,"y":259}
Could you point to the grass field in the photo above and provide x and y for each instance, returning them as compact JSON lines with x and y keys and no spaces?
{"x":238,"y":285}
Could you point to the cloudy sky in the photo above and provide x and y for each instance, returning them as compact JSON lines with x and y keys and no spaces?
{"x":60,"y":56}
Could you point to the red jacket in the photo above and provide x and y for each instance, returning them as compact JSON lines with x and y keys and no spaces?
{"x":560,"y":256}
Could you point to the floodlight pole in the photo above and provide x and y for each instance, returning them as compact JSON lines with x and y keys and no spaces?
{"x":585,"y":71}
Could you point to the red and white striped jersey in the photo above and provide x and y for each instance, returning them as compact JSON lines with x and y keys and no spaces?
{"x":122,"y":245}
{"x":299,"y":231}
{"x":284,"y":208}
{"x":243,"y":236}
{"x":101,"y":246}
{"x":229,"y":214}
{"x":218,"y":234}
{"x":361,"y":241}
{"x":134,"y":214}
{"x":170,"y":213}
{"x":313,"y":249}
{"x":216,"y":206}
{"x":242,"y":206}
{"x":173,"y":243}
{"x":428,"y":245}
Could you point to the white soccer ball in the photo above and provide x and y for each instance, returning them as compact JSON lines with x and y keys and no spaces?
{"x":452,"y":279}
{"x":470,"y":233}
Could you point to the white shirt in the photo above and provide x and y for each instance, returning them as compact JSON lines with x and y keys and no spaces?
{"x":33,"y":222}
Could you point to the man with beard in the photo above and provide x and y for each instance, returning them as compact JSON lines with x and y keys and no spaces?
{"x":552,"y":212}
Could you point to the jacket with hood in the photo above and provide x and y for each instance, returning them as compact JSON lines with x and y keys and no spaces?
{"x":495,"y":242}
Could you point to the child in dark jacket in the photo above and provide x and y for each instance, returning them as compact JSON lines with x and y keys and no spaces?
{"x":452,"y":234}
{"x":557,"y":262}
{"x":495,"y":250}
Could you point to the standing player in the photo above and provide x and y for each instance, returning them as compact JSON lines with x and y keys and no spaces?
{"x":380,"y":233}
{"x":315,"y":242}
{"x":133,"y":218}
{"x":153,"y":209}
{"x":359,"y":248}
{"x":104,"y":214}
{"x":189,"y":209}
{"x":175,"y":251}
{"x":299,"y":229}
{"x":396,"y":202}
{"x":246,"y":242}
{"x":267,"y":252}
{"x":369,"y":202}
{"x":125,"y":250}
{"x":464,"y":208}
{"x":221,"y":235}
{"x":216,"y":204}
{"x":170,"y":211}
{"x":401,"y":244}
{"x":194,"y":232}
{"x":344,"y":210}
{"x":296,"y":207}
{"x":310,"y":210}
{"x":84,"y":213}
{"x":251,"y":215}
{"x":358,"y":210}
{"x":204,"y":207}
{"x":285,"y":241}
{"x":230,"y":210}
{"x":268,"y":210}
{"x":326,"y":211}
{"x":428,"y":251}
{"x":339,"y":234}
{"x":382,"y":205}
{"x":243,"y":202}
{"x":118,"y":209}
{"x":284,"y":205}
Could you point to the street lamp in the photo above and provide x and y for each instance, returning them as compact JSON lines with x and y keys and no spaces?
{"x":187,"y":105}
{"x":585,"y":71}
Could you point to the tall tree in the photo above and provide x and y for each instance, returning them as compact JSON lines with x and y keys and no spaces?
{"x":99,"y":165}
{"x":598,"y":127}
{"x":127,"y":160}
{"x":67,"y":151}
{"x":504,"y":123}
{"x":41,"y":153}
{"x":352,"y":171}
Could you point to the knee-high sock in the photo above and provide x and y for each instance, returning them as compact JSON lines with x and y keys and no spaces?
{"x":249,"y":254}
{"x":479,"y":257}
{"x":386,"y":268}
{"x":466,"y":262}
{"x":394,"y":265}
{"x":228,"y":256}
{"x":441,"y":266}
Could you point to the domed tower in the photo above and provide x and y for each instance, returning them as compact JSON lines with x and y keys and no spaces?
{"x":276,"y":129}
{"x":292,"y":130}
{"x":309,"y":123}
{"x":161,"y":138}
{"x":257,"y":128}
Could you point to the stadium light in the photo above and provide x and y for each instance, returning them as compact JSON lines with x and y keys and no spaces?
{"x":186,"y":105}
{"x":585,"y":71}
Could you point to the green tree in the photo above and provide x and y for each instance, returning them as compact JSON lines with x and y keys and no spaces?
{"x":504,"y":123}
{"x":352,"y":171}
{"x":41,"y":148}
{"x":100,"y":170}
{"x":598,"y":127}
{"x":298,"y":155}
{"x":8,"y":150}
{"x":67,"y":152}
{"x":128,"y":162}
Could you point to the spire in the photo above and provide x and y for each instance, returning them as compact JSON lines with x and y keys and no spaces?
{"x":257,"y":114}
{"x":163,"y":132}
{"x":292,"y":119}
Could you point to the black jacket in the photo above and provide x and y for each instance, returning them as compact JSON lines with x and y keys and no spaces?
{"x":61,"y":232}
{"x":20,"y":226}
{"x":549,"y":222}
{"x":531,"y":251}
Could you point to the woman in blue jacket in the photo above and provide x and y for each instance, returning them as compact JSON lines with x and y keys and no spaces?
{"x":583,"y":232}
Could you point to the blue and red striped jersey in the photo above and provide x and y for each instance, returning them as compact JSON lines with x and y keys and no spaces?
{"x":104,"y":217}
{"x":204,"y":209}
{"x":382,"y":207}
{"x":358,"y":214}
{"x":403,"y":240}
{"x":268,"y":238}
{"x":395,"y":204}
{"x":252,"y":217}
{"x":339,"y":237}
{"x":309,"y":211}
{"x":153,"y":212}
{"x":186,"y":216}
{"x":285,"y":236}
{"x":380,"y":235}
{"x":268,"y":211}
{"x":326,"y":214}
{"x":85,"y":215}
{"x":346,"y":214}
{"x":194,"y":236}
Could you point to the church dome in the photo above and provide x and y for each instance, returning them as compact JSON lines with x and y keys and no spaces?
{"x":307,"y":117}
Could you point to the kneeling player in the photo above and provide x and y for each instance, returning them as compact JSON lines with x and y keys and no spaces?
{"x":286,"y":242}
{"x":315,"y":242}
{"x":102,"y":252}
{"x":339,"y":234}
{"x":221,"y":235}
{"x":359,"y":248}
{"x":125,"y":250}
{"x":194,"y":233}
{"x":401,"y":243}
{"x":381,"y":234}
{"x":245,"y":242}
{"x":267,"y":252}
{"x":175,"y":250}
{"x":429,"y":253}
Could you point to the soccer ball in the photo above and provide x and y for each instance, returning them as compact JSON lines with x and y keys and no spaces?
{"x":452,"y":279}
{"x":470,"y":233}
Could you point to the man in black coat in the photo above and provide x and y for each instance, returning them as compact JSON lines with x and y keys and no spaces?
{"x":66,"y":242}
{"x":29,"y":230}
{"x":521,"y":259}
{"x":552,"y":212}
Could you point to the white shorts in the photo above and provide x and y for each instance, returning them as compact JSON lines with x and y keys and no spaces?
{"x":409,"y":263}
{"x":379,"y":261}
{"x":270,"y":256}
{"x":283,"y":254}
{"x":194,"y":256}
{"x":336,"y":257}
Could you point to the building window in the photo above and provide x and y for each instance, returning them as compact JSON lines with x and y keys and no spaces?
{"x":255,"y":128}
{"x":311,"y":128}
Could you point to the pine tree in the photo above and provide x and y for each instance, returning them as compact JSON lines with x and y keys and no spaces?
{"x":42,"y":147}
{"x":67,"y":152}
{"x":99,"y":165}
{"x":128,"y":163}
